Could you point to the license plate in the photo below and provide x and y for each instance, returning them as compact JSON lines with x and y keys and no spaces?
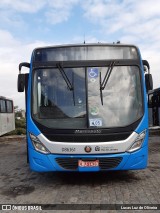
{"x":94,"y":163}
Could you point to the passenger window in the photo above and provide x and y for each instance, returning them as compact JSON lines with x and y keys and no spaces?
{"x":2,"y":106}
{"x":9,"y":106}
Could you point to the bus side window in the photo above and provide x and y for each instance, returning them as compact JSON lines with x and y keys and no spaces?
{"x":2,"y":106}
{"x":9,"y":106}
{"x":150,"y":101}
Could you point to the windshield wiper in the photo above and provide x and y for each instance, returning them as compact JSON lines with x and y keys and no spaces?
{"x":69,"y":85}
{"x":106,"y":78}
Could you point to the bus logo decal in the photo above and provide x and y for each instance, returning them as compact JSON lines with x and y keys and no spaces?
{"x":97,"y":148}
{"x":87,"y":149}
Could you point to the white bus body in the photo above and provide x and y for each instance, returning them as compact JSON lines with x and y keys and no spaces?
{"x":7,"y":116}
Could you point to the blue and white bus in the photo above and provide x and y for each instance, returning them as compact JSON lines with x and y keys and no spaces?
{"x":86,"y":108}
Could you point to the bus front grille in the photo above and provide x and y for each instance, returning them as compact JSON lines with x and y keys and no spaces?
{"x":68,"y":163}
{"x":109,"y":163}
{"x":104,"y":163}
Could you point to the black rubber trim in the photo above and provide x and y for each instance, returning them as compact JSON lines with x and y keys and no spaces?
{"x":88,"y":138}
{"x":104,"y":135}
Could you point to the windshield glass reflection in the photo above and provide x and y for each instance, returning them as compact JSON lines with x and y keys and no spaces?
{"x":57,"y":106}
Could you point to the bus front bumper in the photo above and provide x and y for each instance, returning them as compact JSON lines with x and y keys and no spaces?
{"x":60,"y":162}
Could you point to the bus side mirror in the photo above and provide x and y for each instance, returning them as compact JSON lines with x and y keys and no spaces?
{"x":24,"y":64}
{"x":149,"y":82}
{"x":21,"y":82}
{"x":21,"y":77}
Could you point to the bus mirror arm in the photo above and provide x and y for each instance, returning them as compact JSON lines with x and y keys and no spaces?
{"x":145,"y":63}
{"x":23,"y":64}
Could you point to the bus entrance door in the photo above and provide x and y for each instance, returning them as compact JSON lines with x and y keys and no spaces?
{"x":154,"y":108}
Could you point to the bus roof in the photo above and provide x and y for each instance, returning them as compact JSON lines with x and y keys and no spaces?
{"x":87,"y":44}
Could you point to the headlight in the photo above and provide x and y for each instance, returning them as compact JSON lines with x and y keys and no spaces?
{"x":38,"y":145}
{"x":138,"y":142}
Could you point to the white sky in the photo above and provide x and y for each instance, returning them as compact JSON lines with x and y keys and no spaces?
{"x":27,"y":24}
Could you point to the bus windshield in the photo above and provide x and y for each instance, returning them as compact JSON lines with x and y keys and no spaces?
{"x":56,"y":106}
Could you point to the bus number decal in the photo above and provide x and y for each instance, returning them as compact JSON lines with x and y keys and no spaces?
{"x":68,"y":149}
{"x":95,"y":122}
